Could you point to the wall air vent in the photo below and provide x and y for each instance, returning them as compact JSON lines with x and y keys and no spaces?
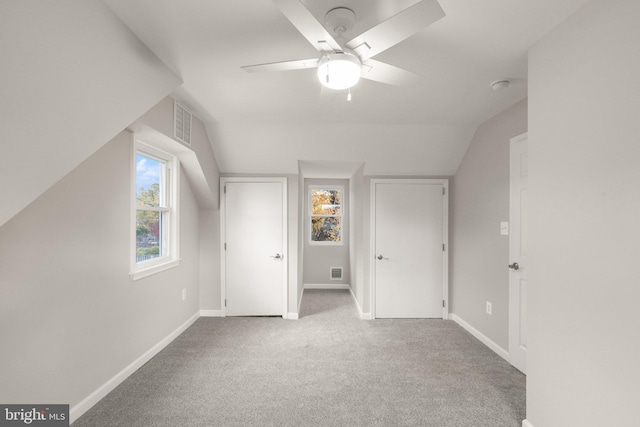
{"x":336,"y":273}
{"x":182,"y":123}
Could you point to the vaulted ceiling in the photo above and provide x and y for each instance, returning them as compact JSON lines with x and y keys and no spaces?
{"x":266,"y":122}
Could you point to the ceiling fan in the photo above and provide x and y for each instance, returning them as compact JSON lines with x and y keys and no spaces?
{"x":341,"y":65}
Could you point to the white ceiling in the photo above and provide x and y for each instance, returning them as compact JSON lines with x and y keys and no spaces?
{"x":206,"y":42}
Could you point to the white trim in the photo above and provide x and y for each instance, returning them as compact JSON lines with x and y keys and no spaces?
{"x":285,"y":237}
{"x":342,"y":215}
{"x":526,"y":423}
{"x":210,"y":313}
{"x":327,"y":286}
{"x":87,"y":403}
{"x":171,"y":240}
{"x":292,"y":316}
{"x":517,"y":351}
{"x":519,"y":138}
{"x":445,"y":237}
{"x":154,"y":269}
{"x":445,"y":255}
{"x":481,"y":337}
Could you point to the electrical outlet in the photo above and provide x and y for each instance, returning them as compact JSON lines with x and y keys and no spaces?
{"x":504,"y":228}
{"x":488,"y":307}
{"x":184,"y":294}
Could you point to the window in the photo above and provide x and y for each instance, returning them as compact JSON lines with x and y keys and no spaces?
{"x":155,"y":238}
{"x":326,"y":212}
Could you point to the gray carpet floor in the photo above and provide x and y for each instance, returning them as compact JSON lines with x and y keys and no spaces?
{"x":329,"y":368}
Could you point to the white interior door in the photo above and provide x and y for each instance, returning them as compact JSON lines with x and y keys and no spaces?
{"x":409,"y":237}
{"x":518,"y":241}
{"x":254,"y":269}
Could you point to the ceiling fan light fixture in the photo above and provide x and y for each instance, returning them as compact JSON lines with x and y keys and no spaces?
{"x":339,"y":70}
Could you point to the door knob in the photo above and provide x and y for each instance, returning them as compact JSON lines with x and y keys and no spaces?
{"x":276,"y":256}
{"x":380,"y":257}
{"x":515,"y":266}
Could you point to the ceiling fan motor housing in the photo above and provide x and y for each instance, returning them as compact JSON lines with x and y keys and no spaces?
{"x":340,"y":20}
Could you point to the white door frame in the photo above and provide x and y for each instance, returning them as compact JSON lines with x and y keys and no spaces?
{"x":517,"y":353}
{"x":445,"y":237}
{"x":285,"y":253}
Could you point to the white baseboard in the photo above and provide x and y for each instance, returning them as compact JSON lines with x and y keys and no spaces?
{"x":327,"y":286}
{"x":85,"y":404}
{"x":292,"y":316}
{"x":526,"y":423}
{"x":210,"y":313}
{"x":480,"y":336}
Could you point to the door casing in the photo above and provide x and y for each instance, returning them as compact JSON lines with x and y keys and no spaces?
{"x":285,"y":263}
{"x":445,"y":237}
{"x":517,"y":253}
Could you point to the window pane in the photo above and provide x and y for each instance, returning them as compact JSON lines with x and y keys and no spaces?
{"x":148,"y":235}
{"x":325,"y":229}
{"x":148,"y":181}
{"x":325,"y":202}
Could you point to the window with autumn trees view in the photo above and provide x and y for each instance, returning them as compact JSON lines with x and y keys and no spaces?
{"x":326,"y":214}
{"x":155,"y":208}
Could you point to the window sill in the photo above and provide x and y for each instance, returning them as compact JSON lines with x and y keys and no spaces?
{"x":149,"y":271}
{"x":317,"y":243}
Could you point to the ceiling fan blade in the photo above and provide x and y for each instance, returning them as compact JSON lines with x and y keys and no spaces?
{"x":300,"y":64}
{"x":308,"y":25}
{"x":396,"y":29}
{"x":389,"y":74}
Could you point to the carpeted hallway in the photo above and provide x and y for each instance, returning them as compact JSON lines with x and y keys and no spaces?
{"x":326,"y":369}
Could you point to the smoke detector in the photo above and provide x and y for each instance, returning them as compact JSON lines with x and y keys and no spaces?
{"x":500,"y":84}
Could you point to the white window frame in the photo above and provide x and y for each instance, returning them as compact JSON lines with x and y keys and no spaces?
{"x":170,"y":225}
{"x":342,"y":215}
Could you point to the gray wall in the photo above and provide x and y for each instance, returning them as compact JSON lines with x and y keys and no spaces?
{"x":200,"y":167}
{"x":584,"y":180}
{"x":358,"y":235}
{"x":70,"y":316}
{"x":319,"y":259}
{"x":479,"y":202}
{"x":200,"y":163}
{"x":210,"y":271}
{"x":293,"y":193}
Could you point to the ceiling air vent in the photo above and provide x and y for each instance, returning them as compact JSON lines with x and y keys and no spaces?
{"x":182,"y":123}
{"x":336,"y":273}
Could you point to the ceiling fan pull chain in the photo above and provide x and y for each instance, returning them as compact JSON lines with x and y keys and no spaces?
{"x":349,"y":95}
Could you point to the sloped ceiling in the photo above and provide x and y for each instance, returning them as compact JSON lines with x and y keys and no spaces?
{"x":266,"y":122}
{"x":72,"y":77}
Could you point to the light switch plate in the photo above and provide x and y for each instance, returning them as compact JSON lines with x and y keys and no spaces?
{"x":504,"y":228}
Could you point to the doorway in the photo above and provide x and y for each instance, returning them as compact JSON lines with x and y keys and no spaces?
{"x":518,"y":251}
{"x":409,"y":248}
{"x":253,"y":231}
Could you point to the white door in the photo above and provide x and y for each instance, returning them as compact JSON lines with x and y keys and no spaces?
{"x":518,"y":209}
{"x":253,"y":229}
{"x":409,"y":236}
